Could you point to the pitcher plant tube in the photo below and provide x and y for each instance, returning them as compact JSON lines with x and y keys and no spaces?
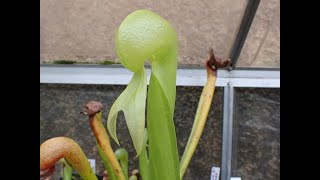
{"x":93,"y":110}
{"x":212,"y":65}
{"x":144,"y":35}
{"x":54,"y":149}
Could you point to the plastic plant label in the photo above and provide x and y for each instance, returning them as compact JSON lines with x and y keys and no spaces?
{"x":215,"y":173}
{"x":93,"y":164}
{"x":235,"y":178}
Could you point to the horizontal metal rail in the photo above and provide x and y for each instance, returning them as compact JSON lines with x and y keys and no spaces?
{"x":118,"y":75}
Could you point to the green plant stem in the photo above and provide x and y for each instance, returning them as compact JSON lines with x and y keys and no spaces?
{"x":199,"y":121}
{"x":106,"y":164}
{"x":144,"y":165}
{"x":67,"y":173}
{"x":144,"y":160}
{"x":122,"y":156}
{"x":67,"y":170}
{"x":133,"y":177}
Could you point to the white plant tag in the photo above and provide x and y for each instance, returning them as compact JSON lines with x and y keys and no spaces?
{"x":235,"y":178}
{"x":215,"y":173}
{"x":93,"y":164}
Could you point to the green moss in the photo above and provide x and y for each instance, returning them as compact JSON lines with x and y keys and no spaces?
{"x":64,"y":62}
{"x":108,"y":62}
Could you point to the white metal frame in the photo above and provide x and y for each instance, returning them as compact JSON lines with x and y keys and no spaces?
{"x":118,"y":75}
{"x":228,"y":108}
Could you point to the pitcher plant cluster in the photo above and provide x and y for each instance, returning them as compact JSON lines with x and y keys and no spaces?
{"x":143,"y":35}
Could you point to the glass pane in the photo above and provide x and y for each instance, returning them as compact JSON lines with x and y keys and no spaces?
{"x":262,"y":46}
{"x":84,"y":31}
{"x":256,"y":153}
{"x":59,"y":116}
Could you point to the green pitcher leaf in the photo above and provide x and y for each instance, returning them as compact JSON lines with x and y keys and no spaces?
{"x":144,"y":35}
{"x":163,"y":153}
{"x":132,"y":102}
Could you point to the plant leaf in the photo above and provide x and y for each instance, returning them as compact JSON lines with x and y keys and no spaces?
{"x":144,"y":160}
{"x":132,"y":101}
{"x":145,"y":35}
{"x":106,"y":163}
{"x":163,"y":151}
{"x":122,"y":156}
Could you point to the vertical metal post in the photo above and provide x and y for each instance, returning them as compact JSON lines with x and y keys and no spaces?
{"x":227,"y":132}
{"x":246,"y":22}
